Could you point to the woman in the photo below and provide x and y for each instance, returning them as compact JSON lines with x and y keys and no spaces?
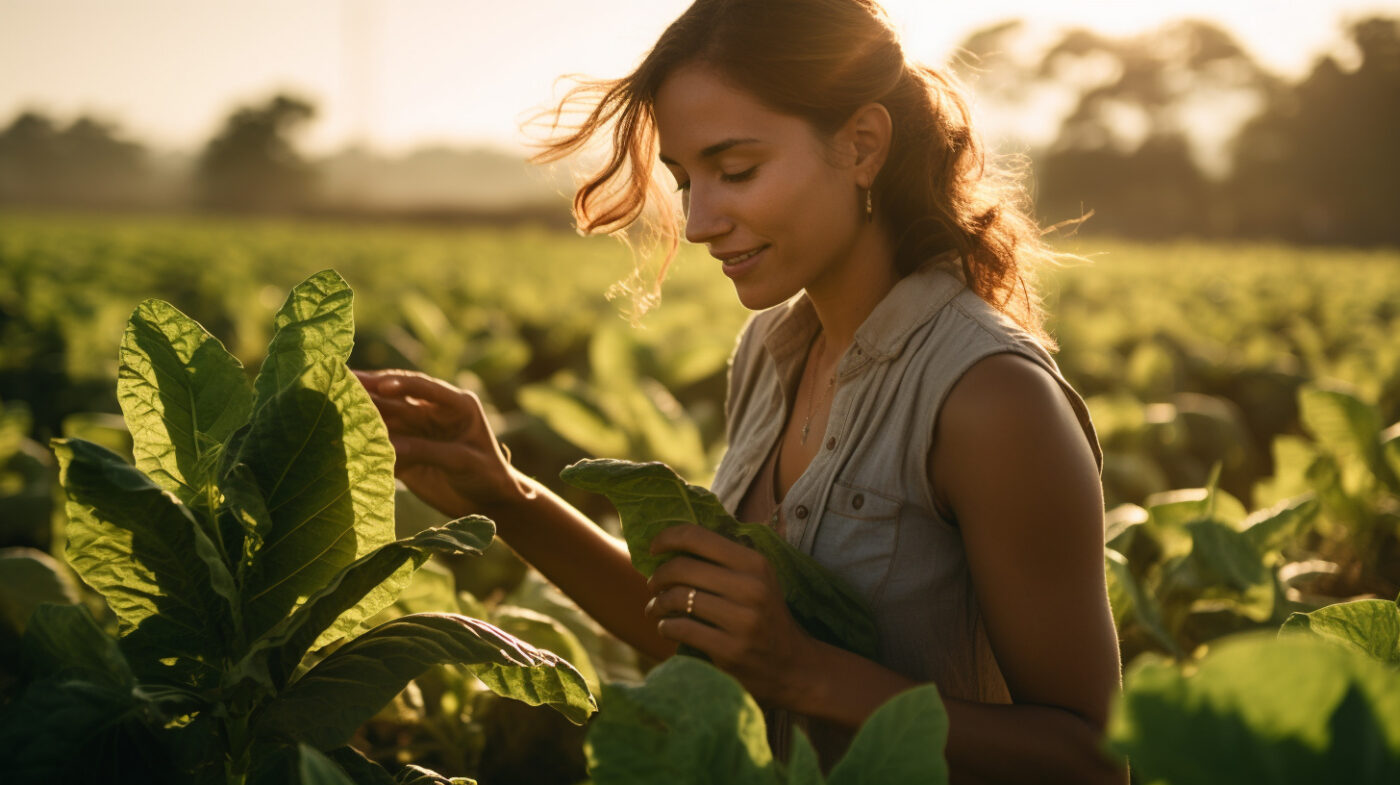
{"x":892,"y":410}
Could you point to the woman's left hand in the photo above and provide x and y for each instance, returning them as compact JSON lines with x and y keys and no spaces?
{"x":736,"y":613}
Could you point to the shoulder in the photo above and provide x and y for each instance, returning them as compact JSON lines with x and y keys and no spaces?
{"x":1008,"y":421}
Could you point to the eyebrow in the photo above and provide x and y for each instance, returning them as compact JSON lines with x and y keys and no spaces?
{"x":715,"y":149}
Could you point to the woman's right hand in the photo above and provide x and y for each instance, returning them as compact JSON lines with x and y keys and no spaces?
{"x":446,"y":452}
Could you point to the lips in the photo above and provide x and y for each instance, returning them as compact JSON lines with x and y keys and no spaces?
{"x":740,"y":257}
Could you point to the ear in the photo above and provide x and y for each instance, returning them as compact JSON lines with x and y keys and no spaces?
{"x":869,"y":131}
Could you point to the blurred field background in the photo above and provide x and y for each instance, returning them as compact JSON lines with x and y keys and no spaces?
{"x":1236,"y":331}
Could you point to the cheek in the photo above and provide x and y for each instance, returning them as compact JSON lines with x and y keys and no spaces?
{"x":804,"y":199}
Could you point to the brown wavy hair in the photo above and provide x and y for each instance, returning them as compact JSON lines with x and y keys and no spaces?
{"x":820,"y":60}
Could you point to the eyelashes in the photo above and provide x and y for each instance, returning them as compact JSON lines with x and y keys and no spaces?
{"x":737,"y":177}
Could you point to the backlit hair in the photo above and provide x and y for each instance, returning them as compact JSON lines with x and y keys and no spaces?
{"x":820,"y":60}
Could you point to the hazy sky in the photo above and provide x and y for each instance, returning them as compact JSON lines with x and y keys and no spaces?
{"x":397,"y":73}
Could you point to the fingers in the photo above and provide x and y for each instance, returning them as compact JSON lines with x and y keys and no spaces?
{"x":696,"y":618}
{"x":420,"y":404}
{"x":701,"y":542}
{"x":686,"y":571}
{"x":413,"y":450}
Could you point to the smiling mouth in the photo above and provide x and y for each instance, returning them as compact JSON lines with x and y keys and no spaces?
{"x":743,"y":257}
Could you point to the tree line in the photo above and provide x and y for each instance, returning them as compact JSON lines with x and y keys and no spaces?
{"x":1317,"y":161}
{"x":1312,"y":160}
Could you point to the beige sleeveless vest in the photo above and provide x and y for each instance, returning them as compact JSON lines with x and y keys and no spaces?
{"x":863,"y":507}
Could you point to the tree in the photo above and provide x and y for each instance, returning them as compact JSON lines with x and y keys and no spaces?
{"x":1321,"y":163}
{"x":252,"y":165}
{"x":1130,"y":150}
{"x":86,"y":164}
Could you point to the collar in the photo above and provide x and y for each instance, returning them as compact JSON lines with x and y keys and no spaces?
{"x":913,"y":301}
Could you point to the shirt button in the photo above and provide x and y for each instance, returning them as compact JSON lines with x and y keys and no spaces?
{"x":801,"y":512}
{"x":858,"y":501}
{"x":831,"y":443}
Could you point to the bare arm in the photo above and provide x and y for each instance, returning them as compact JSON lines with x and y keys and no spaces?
{"x":584,"y":561}
{"x":448,"y":456}
{"x":1011,"y":461}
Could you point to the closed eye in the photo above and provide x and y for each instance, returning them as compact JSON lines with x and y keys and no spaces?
{"x":738,"y":177}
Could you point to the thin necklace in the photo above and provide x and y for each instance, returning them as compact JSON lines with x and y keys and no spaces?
{"x":830,"y":382}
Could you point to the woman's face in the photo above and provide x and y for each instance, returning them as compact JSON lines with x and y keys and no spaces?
{"x":760,"y":188}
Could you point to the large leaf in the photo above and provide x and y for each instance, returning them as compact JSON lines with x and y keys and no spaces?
{"x":1261,"y":709}
{"x":1345,"y":426}
{"x":175,"y":383}
{"x":326,"y":705}
{"x":322,"y":461}
{"x":690,"y":723}
{"x":651,"y":498}
{"x":63,"y":642}
{"x":1131,"y":603}
{"x":28,"y":577}
{"x":572,"y":419}
{"x":342,"y":605}
{"x":1390,"y":451}
{"x":1371,"y":627}
{"x":81,"y":731}
{"x":902,"y":741}
{"x":803,"y":766}
{"x":1273,"y":528}
{"x":546,"y":632}
{"x":316,"y":323}
{"x":140,"y":548}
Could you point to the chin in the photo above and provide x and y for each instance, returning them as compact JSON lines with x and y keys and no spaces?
{"x":759,"y":299}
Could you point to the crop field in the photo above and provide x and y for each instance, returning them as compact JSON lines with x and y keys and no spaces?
{"x":1247,"y":397}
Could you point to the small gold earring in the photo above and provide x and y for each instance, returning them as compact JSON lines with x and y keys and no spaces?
{"x":869,"y":205}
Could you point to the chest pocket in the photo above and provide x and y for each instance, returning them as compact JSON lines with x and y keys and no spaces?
{"x":857,"y":537}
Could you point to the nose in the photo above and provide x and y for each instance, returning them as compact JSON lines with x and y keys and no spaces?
{"x":705,"y":217}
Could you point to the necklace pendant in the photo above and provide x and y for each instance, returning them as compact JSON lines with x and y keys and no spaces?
{"x":806,"y":426}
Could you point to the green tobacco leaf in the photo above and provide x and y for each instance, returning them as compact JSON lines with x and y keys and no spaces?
{"x":326,"y":705}
{"x":1131,"y":603}
{"x":177,"y":383}
{"x":244,"y":520}
{"x":136,"y":545}
{"x":1345,"y":426}
{"x":315,"y":324}
{"x":803,"y":766}
{"x":666,"y":429}
{"x":322,"y":461}
{"x":63,"y":642}
{"x":650,"y":497}
{"x":1227,"y":555}
{"x":294,"y":764}
{"x":1390,"y":450}
{"x":28,"y":577}
{"x":1371,"y":627}
{"x":79,"y":731}
{"x":1338,"y":419}
{"x":360,"y":768}
{"x":572,"y":419}
{"x":548,"y":633}
{"x":1272,"y":529}
{"x":358,"y":592}
{"x":688,"y":724}
{"x":902,"y":741}
{"x":315,"y":768}
{"x":1261,"y":709}
{"x":417,"y":775}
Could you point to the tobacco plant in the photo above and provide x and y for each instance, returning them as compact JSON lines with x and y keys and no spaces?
{"x":251,"y":539}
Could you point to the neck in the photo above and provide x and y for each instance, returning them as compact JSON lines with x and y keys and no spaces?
{"x":850,"y":291}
